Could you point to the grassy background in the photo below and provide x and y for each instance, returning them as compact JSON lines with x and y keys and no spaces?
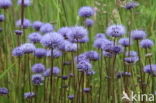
{"x":65,"y":13}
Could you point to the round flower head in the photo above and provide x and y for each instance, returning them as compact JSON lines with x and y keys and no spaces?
{"x":4,"y":91}
{"x":26,"y":23}
{"x":46,"y":28}
{"x":77,"y":32}
{"x":107,"y":54}
{"x":100,"y":43}
{"x":2,"y":17}
{"x":81,"y":57}
{"x":37,"y":79}
{"x":125,"y":42}
{"x":132,"y":54}
{"x":86,"y":90}
{"x":64,"y":31}
{"x":37,"y":25}
{"x":29,"y":95}
{"x":100,"y":35}
{"x":146,"y":43}
{"x":28,"y":47}
{"x":40,"y":52}
{"x":86,"y":11}
{"x":71,"y":97}
{"x":131,"y":60}
{"x":150,"y":69}
{"x":55,"y":54}
{"x":4,"y":4}
{"x":52,"y":40}
{"x":25,"y":3}
{"x":18,"y":32}
{"x":17,"y":51}
{"x":92,"y":55}
{"x":83,"y":65}
{"x":138,"y":34}
{"x":68,"y":46}
{"x":35,"y":37}
{"x":117,"y":49}
{"x":116,"y":30}
{"x":131,"y":5}
{"x":56,"y":70}
{"x":89,"y":22}
{"x":38,"y":68}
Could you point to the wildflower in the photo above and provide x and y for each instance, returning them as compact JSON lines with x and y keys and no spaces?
{"x":25,"y":3}
{"x":52,"y":40}
{"x":125,"y":42}
{"x":131,"y":5}
{"x":71,"y":97}
{"x":138,"y":34}
{"x":131,"y":53}
{"x":28,"y":48}
{"x":17,"y":51}
{"x":68,"y":46}
{"x":146,"y":43}
{"x":35,"y":37}
{"x":116,"y":30}
{"x":46,"y":28}
{"x":107,"y":54}
{"x":40,"y":52}
{"x":89,"y":22}
{"x":29,"y":95}
{"x":18,"y":32}
{"x":92,"y":55}
{"x":38,"y":68}
{"x":150,"y":69}
{"x":55,"y":54}
{"x":86,"y":90}
{"x":4,"y":91}
{"x":37,"y":25}
{"x":86,"y":11}
{"x":2,"y":17}
{"x":83,"y":65}
{"x":131,"y":60}
{"x":37,"y":79}
{"x":64,"y":31}
{"x":100,"y":35}
{"x":5,"y":4}
{"x":26,"y":23}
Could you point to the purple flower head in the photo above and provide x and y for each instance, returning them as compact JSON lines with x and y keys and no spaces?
{"x":40,"y":52}
{"x":52,"y":40}
{"x":69,"y":47}
{"x":46,"y":28}
{"x":83,"y":40}
{"x":131,"y":60}
{"x":125,"y":42}
{"x":2,"y":17}
{"x":107,"y":54}
{"x":65,"y":77}
{"x":131,"y":5}
{"x":92,"y":55}
{"x":119,"y":75}
{"x":77,"y":33}
{"x":81,"y":57}
{"x":127,"y":74}
{"x":37,"y":79}
{"x":64,"y":31}
{"x":17,"y":51}
{"x":4,"y":4}
{"x":86,"y":90}
{"x":55,"y":54}
{"x":37,"y":25}
{"x":89,"y":22}
{"x":83,"y":65}
{"x":38,"y":68}
{"x":90,"y":72}
{"x":18,"y":32}
{"x":71,"y":97}
{"x":138,"y":34}
{"x":116,"y":30}
{"x":101,"y":43}
{"x":146,"y":43}
{"x":132,"y":54}
{"x":86,"y":11}
{"x":150,"y":69}
{"x":35,"y":37}
{"x":28,"y":48}
{"x":29,"y":95}
{"x":4,"y":91}
{"x":117,"y":49}
{"x":26,"y":23}
{"x":100,"y":35}
{"x":56,"y":70}
{"x":25,"y":3}
{"x":123,"y":74}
